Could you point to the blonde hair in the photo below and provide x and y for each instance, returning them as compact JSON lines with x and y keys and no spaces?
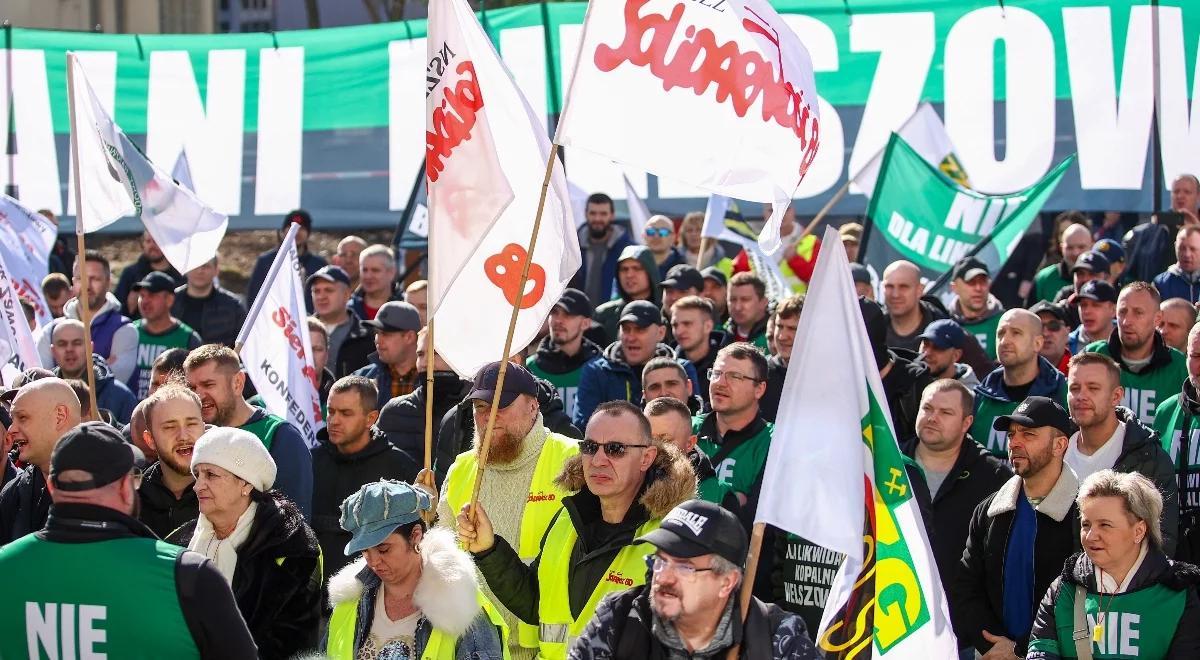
{"x":1141,"y":497}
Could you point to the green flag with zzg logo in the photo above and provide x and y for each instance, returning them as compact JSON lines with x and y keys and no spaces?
{"x":919,"y":214}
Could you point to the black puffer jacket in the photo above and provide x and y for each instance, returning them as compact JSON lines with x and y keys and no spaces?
{"x":277,"y":583}
{"x":356,"y":349}
{"x":24,"y":504}
{"x":1143,"y":453}
{"x":402,"y":420}
{"x":217,"y":319}
{"x":550,"y":359}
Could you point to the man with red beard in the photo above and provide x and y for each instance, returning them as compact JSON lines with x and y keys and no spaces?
{"x":174,"y":422}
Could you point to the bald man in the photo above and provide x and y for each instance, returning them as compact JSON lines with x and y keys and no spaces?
{"x":907,"y":313}
{"x":43,"y":411}
{"x":1076,"y":239}
{"x":1178,"y":317}
{"x":66,"y":346}
{"x":1022,"y":373}
{"x":660,"y":237}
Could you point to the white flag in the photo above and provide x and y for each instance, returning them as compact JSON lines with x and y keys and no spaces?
{"x":275,"y":347}
{"x":117,"y":180}
{"x":26,"y":238}
{"x":926,"y":134}
{"x":722,"y":98}
{"x":182,"y":172}
{"x":835,"y":451}
{"x":18,"y":351}
{"x":639,"y":215}
{"x":473,"y":314}
{"x":716,"y":227}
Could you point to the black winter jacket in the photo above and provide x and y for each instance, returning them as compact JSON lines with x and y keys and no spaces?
{"x":1143,"y":453}
{"x":903,"y":385}
{"x":550,"y":358}
{"x":24,"y":505}
{"x":161,"y":511}
{"x":219,"y":317}
{"x":356,"y":349}
{"x":402,"y":420}
{"x":768,"y":405}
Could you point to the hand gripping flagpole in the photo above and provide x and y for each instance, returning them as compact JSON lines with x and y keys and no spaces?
{"x":512,"y":326}
{"x":85,"y":314}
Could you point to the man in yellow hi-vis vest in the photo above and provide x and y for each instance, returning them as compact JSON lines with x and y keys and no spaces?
{"x":626,"y":483}
{"x":518,"y":482}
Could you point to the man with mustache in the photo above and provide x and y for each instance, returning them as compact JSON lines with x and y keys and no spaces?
{"x":1020,"y":535}
{"x":602,"y":242}
{"x":174,"y":422}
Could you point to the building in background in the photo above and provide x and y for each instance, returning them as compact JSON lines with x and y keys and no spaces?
{"x":113,"y":16}
{"x":248,"y":15}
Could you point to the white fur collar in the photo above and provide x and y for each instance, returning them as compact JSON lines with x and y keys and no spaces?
{"x":445,"y":593}
{"x":1056,"y":505}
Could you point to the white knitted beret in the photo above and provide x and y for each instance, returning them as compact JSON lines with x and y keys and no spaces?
{"x":238,"y":451}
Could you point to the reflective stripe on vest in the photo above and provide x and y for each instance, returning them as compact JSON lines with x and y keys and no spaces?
{"x":558,"y":629}
{"x":543,"y":502}
{"x":340,"y":642}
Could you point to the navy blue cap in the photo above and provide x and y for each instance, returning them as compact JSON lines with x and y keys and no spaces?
{"x":517,"y":380}
{"x":329,"y":274}
{"x":945,"y":333}
{"x":1098,"y":290}
{"x":1093,"y":262}
{"x":860,"y":274}
{"x":1111,"y":250}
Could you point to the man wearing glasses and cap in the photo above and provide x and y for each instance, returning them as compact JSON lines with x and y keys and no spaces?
{"x":108,"y":582}
{"x":975,"y":308}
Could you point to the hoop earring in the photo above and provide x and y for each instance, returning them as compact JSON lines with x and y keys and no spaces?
{"x":417,"y":548}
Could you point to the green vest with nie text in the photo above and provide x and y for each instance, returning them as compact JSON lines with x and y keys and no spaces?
{"x":1135,"y":624}
{"x":1146,"y":390}
{"x":738,"y":470}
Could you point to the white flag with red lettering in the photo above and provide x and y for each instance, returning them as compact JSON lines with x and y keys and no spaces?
{"x":275,"y":347}
{"x":717,"y":95}
{"x":18,"y":351}
{"x":26,"y":238}
{"x":495,"y":142}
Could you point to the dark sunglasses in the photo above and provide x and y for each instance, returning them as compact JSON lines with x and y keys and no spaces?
{"x":613,"y":449}
{"x":1054,"y":326}
{"x":661,"y":232}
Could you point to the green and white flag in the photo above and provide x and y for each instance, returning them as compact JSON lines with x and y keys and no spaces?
{"x":919,"y":214}
{"x":835,"y":452}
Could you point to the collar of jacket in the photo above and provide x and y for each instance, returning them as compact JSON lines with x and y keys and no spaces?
{"x":85,"y":523}
{"x":1155,"y":568}
{"x":1046,"y":383}
{"x":1160,"y":358}
{"x":551,"y":359}
{"x":1137,"y":434}
{"x":1190,"y":278}
{"x":1189,"y":398}
{"x":1057,"y":504}
{"x":446,"y":590}
{"x":375,"y":446}
{"x":669,"y":481}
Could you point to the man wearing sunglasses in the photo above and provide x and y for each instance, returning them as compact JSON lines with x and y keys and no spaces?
{"x":688,"y":609}
{"x":625,"y":483}
{"x":1055,"y":334}
{"x":661,"y":239}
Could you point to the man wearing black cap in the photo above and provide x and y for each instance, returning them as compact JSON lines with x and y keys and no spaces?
{"x":617,"y":374}
{"x":115,"y":588}
{"x":1020,"y":536}
{"x":562,"y":353}
{"x":975,"y":308}
{"x":682,"y":281}
{"x":151,"y":260}
{"x":157,"y":329}
{"x":351,"y":342}
{"x":715,"y":290}
{"x":1056,"y":334}
{"x":689,"y":609}
{"x":393,"y":365}
{"x":309,"y":262}
{"x":1097,"y":303}
{"x":215,"y":313}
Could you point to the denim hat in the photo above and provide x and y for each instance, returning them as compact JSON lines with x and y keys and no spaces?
{"x":377,"y":509}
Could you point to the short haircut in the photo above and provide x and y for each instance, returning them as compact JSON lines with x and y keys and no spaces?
{"x":368,"y":393}
{"x":378,"y":250}
{"x":662,"y":362}
{"x":170,"y":361}
{"x":790,"y":307}
{"x":173,"y":389}
{"x":227,"y":360}
{"x":54,"y":284}
{"x":1072,"y":217}
{"x":742,"y":350}
{"x":699,"y":303}
{"x":967,"y":399}
{"x":665,"y":404}
{"x":1086,"y":358}
{"x":1134,"y":287}
{"x":81,"y":389}
{"x":95,"y":257}
{"x":1180,"y":304}
{"x":601,"y":198}
{"x":1141,"y":497}
{"x":750,"y":279}
{"x":419,"y":285}
{"x":315,"y":325}
{"x":1185,"y":231}
{"x":619,"y":408}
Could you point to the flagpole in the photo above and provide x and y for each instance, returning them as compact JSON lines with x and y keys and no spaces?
{"x":429,"y":359}
{"x":85,"y":314}
{"x":748,"y":575}
{"x":512,"y":327}
{"x":837,"y":197}
{"x":703,"y":248}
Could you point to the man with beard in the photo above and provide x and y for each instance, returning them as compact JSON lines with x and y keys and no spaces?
{"x":214,"y":372}
{"x":941,"y":349}
{"x":518,"y":482}
{"x":43,"y":411}
{"x":975,"y":308}
{"x":174,"y":423}
{"x":561,"y":354}
{"x":688,"y":609}
{"x":1019,"y":536}
{"x":1177,"y":422}
{"x":784,"y":324}
{"x":1151,"y":371}
{"x":601,"y":242}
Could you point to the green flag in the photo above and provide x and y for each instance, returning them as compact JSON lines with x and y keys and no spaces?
{"x":919,"y":214}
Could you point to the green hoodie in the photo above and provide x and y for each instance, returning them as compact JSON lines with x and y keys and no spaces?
{"x":609,"y":313}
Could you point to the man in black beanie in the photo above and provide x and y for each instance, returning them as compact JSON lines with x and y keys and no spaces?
{"x":903,"y":379}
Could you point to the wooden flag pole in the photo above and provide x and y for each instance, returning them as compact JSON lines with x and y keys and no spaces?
{"x":756,"y":539}
{"x":837,"y":197}
{"x":704,"y":240}
{"x":428,"y":516}
{"x":512,"y":328}
{"x":81,"y":297}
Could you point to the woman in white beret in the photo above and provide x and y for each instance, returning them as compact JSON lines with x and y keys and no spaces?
{"x":258,"y":540}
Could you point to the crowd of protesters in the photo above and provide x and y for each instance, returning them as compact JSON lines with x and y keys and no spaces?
{"x":1049,"y":415}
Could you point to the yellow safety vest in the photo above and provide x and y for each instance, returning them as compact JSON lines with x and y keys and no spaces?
{"x":543,"y":502}
{"x":557,"y":629}
{"x":441,"y":646}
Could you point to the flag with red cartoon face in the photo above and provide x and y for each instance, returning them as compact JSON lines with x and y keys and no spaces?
{"x":719,"y":95}
{"x":489,"y":137}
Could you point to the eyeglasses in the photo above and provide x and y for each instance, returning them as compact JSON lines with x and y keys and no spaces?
{"x":1054,"y":326}
{"x":686,"y":572}
{"x":716,"y":374}
{"x":661,"y":232}
{"x":615,"y":449}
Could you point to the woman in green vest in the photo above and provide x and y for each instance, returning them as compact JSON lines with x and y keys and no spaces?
{"x":1121,"y":597}
{"x":413,"y":593}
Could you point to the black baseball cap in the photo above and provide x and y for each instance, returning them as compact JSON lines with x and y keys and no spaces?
{"x":155,"y":281}
{"x":715,"y":274}
{"x":682,"y":277}
{"x":968,"y":268}
{"x":642,"y":313}
{"x":1098,"y":290}
{"x":396,"y":316}
{"x":1053,"y":309}
{"x":26,"y":377}
{"x":860,"y":274}
{"x":329,"y":274}
{"x":97,"y":449}
{"x":1035,"y":412}
{"x":575,"y":303}
{"x":1093,"y":262}
{"x":517,"y":380}
{"x":696,"y":528}
{"x":298,"y":217}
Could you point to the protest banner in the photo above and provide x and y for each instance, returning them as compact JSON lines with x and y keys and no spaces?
{"x":18,"y":351}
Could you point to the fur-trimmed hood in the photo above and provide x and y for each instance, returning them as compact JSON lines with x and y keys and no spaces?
{"x":1057,"y":504}
{"x":670,"y":481}
{"x":446,"y":591}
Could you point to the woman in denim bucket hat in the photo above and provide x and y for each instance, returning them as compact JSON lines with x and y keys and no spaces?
{"x":413,"y":593}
